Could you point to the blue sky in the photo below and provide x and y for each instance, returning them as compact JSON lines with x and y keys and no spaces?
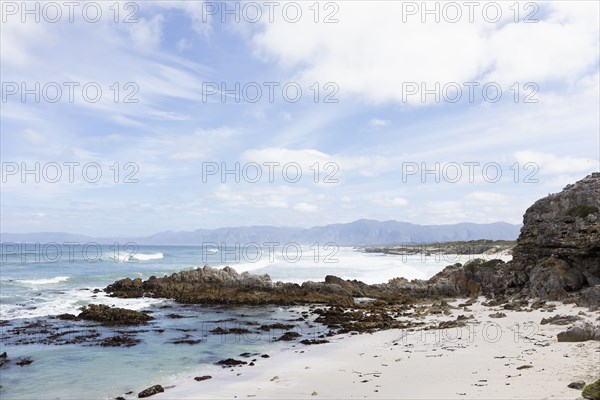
{"x":375,"y":134}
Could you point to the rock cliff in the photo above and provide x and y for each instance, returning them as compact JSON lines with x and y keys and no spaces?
{"x":558,"y":250}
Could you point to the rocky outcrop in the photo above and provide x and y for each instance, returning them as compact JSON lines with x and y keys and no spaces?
{"x":558,"y":250}
{"x":225,"y":286}
{"x":557,"y":255}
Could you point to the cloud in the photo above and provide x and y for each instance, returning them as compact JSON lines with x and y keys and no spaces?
{"x":147,"y":34}
{"x":486,"y":197}
{"x":183,"y":44}
{"x":391,"y":202}
{"x":35,"y":138}
{"x":331,"y":166}
{"x":379,"y":123}
{"x":353,"y":54}
{"x":554,"y":164}
{"x":306,"y":207}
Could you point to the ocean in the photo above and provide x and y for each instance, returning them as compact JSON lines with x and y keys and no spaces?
{"x":40,"y":281}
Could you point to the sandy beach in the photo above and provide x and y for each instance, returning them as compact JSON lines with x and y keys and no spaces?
{"x":512,"y":357}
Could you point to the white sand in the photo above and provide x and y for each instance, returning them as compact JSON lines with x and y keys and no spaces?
{"x":435,"y":364}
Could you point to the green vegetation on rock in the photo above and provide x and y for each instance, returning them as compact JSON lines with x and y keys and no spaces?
{"x":592,"y":391}
{"x":479,"y":263}
{"x":582,"y":211}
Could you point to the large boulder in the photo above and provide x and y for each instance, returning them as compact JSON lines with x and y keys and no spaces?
{"x":581,"y":332}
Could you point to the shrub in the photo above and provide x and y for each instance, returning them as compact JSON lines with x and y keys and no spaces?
{"x":582,"y":211}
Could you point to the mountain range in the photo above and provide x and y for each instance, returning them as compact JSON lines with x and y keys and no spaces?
{"x":360,"y":232}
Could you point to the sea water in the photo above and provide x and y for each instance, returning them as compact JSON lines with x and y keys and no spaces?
{"x":37,"y":282}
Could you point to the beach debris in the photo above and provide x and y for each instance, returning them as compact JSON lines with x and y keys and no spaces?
{"x":524,"y":367}
{"x":274,"y":378}
{"x":202,"y":378}
{"x":151,"y":391}
{"x":314,"y":393}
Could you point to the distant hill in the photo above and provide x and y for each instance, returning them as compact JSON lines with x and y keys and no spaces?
{"x":361,"y":232}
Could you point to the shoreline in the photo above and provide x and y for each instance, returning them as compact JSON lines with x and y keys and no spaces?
{"x":474,"y":361}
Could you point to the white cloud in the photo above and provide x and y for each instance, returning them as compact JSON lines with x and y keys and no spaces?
{"x":486,"y":197}
{"x":553,"y":164}
{"x":391,"y":202}
{"x":35,"y":138}
{"x":370,"y":54}
{"x":147,"y":34}
{"x":306,"y":158}
{"x":379,"y":123}
{"x":306,"y":207}
{"x":183,"y":44}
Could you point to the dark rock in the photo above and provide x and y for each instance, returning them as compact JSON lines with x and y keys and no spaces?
{"x":151,"y":391}
{"x":202,"y":378}
{"x":175,"y":316}
{"x":288,"y":336}
{"x":24,"y":361}
{"x":277,"y":325}
{"x":186,"y":340}
{"x":581,"y":332}
{"x":576,"y":385}
{"x":67,"y":317}
{"x":560,"y":320}
{"x":558,"y":250}
{"x":4,"y":360}
{"x":265,"y":356}
{"x":117,"y":341}
{"x":113,"y":315}
{"x":497,"y":315}
{"x":231,"y":362}
{"x":314,"y":341}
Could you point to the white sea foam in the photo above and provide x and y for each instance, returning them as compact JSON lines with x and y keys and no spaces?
{"x":123,"y":257}
{"x":147,"y":257}
{"x":70,"y":302}
{"x":49,"y":281}
{"x":347,"y":263}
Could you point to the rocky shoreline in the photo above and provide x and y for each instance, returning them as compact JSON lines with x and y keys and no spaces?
{"x":556,"y":258}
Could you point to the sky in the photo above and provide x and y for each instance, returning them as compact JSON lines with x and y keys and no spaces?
{"x":130,"y":118}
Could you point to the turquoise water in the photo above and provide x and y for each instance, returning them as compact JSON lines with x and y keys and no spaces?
{"x":36,"y":283}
